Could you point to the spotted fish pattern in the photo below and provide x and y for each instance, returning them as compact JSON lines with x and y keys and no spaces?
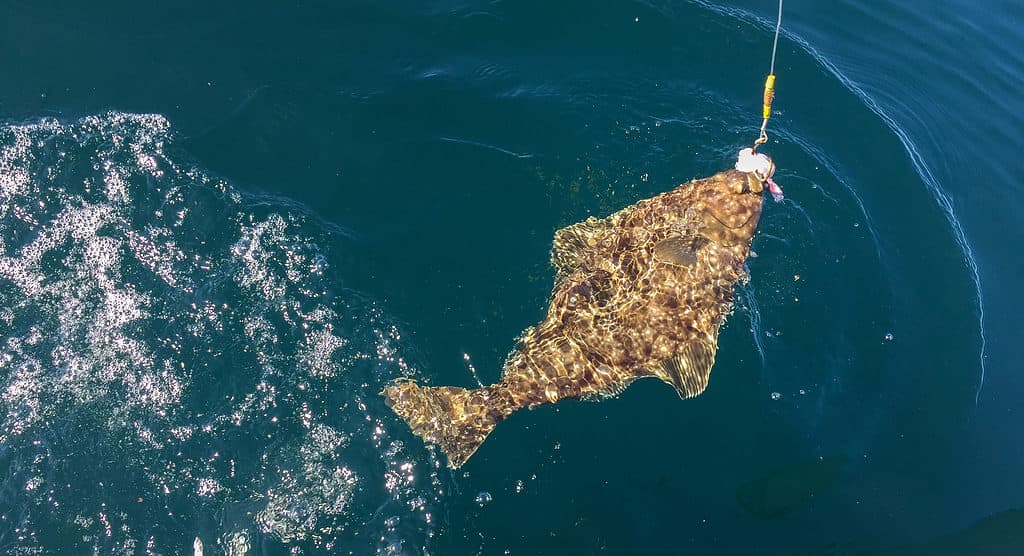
{"x":638,"y":294}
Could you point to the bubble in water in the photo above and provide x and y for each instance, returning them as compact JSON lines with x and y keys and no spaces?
{"x":236,"y":543}
{"x":483,"y":498}
{"x":888,"y":337}
{"x":776,"y":396}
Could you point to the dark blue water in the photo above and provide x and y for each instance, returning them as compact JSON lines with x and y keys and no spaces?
{"x":223,"y":231}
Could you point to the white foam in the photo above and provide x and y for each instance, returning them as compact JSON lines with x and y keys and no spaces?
{"x":115,"y":310}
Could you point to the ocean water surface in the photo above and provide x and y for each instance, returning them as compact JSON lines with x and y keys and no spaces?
{"x":223,"y":231}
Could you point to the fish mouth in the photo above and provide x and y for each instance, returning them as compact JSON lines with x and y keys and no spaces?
{"x":735,"y":205}
{"x":733,"y":208}
{"x":743,"y":224}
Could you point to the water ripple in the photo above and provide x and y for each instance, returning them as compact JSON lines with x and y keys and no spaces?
{"x":173,"y":347}
{"x":921,"y":167}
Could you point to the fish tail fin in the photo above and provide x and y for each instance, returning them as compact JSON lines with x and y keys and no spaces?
{"x":456,"y":419}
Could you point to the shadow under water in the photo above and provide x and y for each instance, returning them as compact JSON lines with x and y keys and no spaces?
{"x":789,"y":488}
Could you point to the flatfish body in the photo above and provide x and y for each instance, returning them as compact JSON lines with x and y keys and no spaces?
{"x":641,"y":293}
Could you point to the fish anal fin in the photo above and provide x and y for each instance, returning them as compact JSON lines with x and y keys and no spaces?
{"x":690,"y":369}
{"x":571,"y":242}
{"x":610,"y":390}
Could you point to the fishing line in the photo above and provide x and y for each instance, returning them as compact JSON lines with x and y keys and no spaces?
{"x":775,"y":45}
{"x":769,"y":87}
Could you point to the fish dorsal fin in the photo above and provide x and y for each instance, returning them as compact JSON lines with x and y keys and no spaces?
{"x":676,"y":250}
{"x":689,"y":370}
{"x":571,"y":242}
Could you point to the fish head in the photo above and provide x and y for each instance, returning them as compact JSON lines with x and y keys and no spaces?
{"x":729,"y":205}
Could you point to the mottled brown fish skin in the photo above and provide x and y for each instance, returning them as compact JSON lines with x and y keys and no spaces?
{"x":638,"y":294}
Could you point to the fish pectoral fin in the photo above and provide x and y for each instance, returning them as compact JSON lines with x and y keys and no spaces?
{"x":571,"y":242}
{"x":679,"y":251}
{"x":690,"y":369}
